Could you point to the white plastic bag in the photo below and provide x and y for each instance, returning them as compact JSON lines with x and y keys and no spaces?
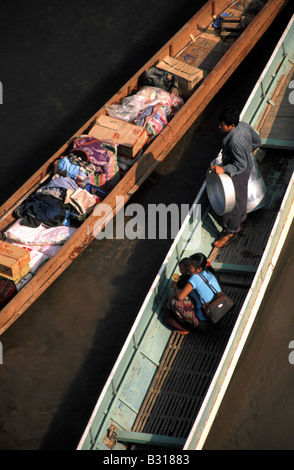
{"x":40,"y":235}
{"x":131,"y":106}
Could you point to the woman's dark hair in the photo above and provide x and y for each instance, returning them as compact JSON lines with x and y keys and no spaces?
{"x":229,"y":115}
{"x":199,"y":260}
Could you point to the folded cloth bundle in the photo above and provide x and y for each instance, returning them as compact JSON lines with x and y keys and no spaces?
{"x":41,"y":208}
{"x":81,"y":200}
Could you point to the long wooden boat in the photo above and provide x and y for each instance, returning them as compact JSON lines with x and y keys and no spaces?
{"x":165,"y":388}
{"x":219,"y":56}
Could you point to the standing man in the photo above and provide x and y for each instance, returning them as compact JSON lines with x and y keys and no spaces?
{"x":240,"y":141}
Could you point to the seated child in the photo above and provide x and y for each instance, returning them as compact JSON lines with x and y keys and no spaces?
{"x":185,"y":275}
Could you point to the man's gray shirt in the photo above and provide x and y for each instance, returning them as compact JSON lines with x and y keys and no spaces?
{"x":237,"y":146}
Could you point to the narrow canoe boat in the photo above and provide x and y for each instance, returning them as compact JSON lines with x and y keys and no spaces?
{"x":165,"y":388}
{"x":217,"y":53}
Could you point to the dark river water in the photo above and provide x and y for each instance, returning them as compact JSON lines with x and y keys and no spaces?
{"x":62,"y":60}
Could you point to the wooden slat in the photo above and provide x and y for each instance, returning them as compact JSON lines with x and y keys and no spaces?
{"x":277,"y":122}
{"x":151,"y":439}
{"x":279,"y":128}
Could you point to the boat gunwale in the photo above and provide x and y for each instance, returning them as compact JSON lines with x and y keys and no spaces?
{"x":264,"y":73}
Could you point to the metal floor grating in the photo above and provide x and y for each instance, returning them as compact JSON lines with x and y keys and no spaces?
{"x":190,"y":362}
{"x":183,"y":378}
{"x":249,"y":247}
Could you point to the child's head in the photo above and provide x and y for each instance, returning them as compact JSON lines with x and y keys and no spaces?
{"x":184,"y":266}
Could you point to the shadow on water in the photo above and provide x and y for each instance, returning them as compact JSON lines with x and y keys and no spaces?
{"x":61,"y":62}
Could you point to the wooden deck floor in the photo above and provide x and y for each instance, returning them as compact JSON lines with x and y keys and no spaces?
{"x":277,"y":124}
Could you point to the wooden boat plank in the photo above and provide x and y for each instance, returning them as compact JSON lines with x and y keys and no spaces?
{"x":277,"y":143}
{"x":227,"y":64}
{"x":278,"y":127}
{"x":285,"y":111}
{"x":279,"y":121}
{"x":222,"y":267}
{"x":151,"y":439}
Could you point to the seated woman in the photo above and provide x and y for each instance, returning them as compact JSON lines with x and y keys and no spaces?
{"x":184,"y":311}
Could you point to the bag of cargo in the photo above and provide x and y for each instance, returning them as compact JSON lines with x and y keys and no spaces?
{"x":91,"y":162}
{"x":159,"y":78}
{"x":154,"y":119}
{"x":7,"y":291}
{"x":219,"y":306}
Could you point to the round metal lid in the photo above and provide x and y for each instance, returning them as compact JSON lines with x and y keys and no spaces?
{"x":220,"y":191}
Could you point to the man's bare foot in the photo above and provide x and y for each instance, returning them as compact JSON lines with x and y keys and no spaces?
{"x":183,"y":332}
{"x":225,"y":240}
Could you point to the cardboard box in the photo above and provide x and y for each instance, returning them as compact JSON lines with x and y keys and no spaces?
{"x":129,"y":137}
{"x":14,"y":261}
{"x":200,"y":56}
{"x":188,"y":76}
